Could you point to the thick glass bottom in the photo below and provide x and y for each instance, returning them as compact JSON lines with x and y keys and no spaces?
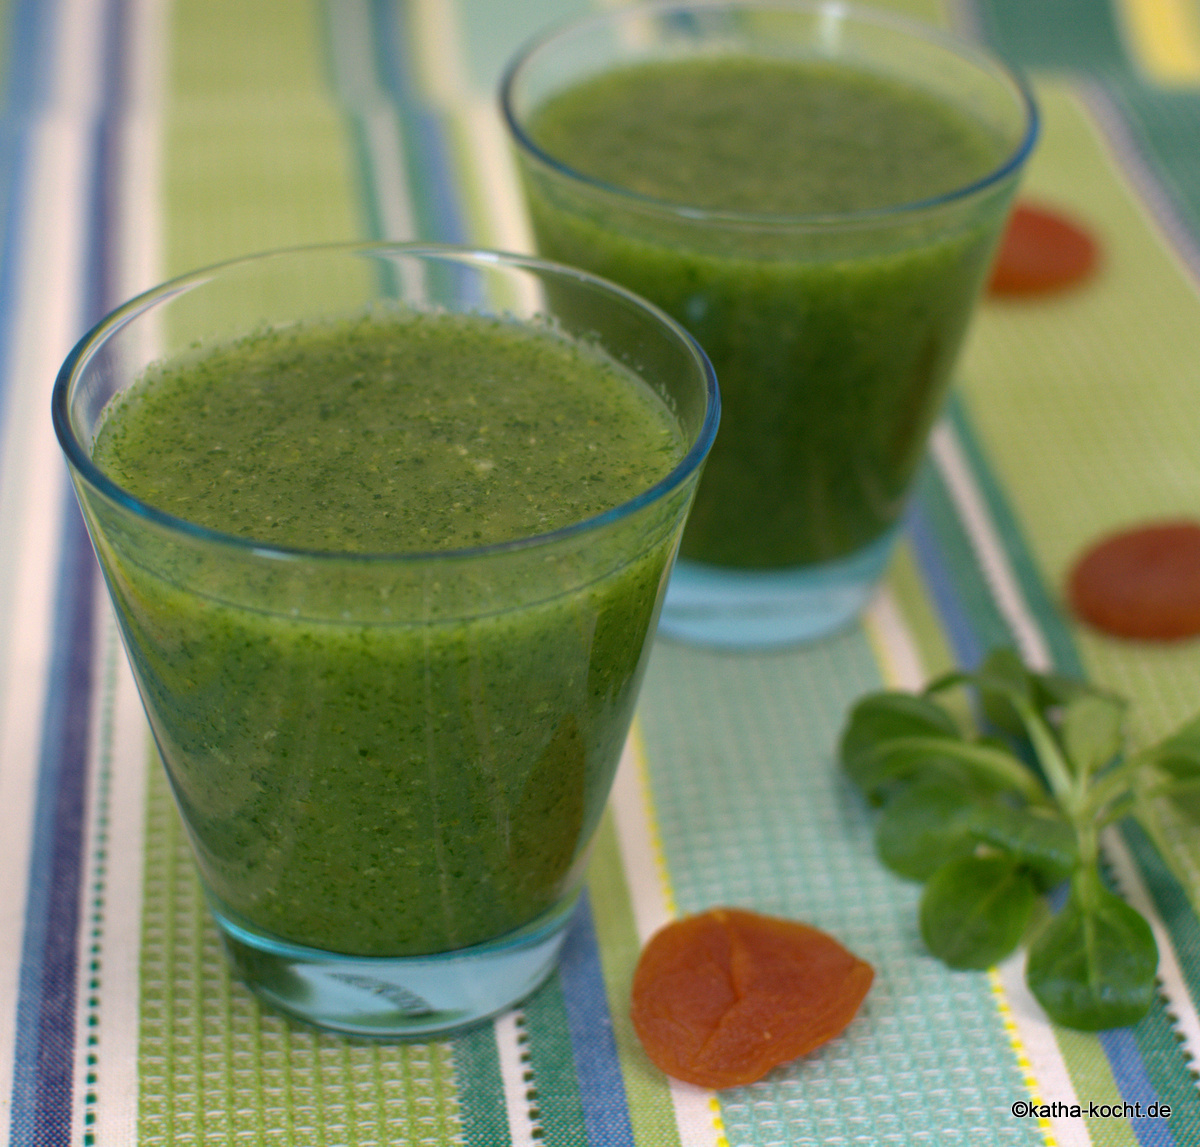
{"x":397,"y":997}
{"x":752,"y":609}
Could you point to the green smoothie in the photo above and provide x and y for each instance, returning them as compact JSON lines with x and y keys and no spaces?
{"x":833,"y":343}
{"x":386,"y":758}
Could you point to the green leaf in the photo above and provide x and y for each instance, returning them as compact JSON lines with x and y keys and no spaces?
{"x":1179,"y":754}
{"x":975,"y":910}
{"x":1043,"y":842}
{"x":880,"y":718}
{"x":923,"y":827}
{"x":1186,"y":801}
{"x":1092,"y":731}
{"x":1001,"y":677}
{"x":1093,"y":966}
{"x":974,"y":764}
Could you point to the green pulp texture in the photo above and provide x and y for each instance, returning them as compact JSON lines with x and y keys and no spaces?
{"x":833,"y":348}
{"x":389,"y":437}
{"x":427,"y":777}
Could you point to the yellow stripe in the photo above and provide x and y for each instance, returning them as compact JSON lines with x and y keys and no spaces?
{"x":1164,"y":38}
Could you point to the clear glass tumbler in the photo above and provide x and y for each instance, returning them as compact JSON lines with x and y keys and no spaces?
{"x":833,"y":332}
{"x":390,"y":765}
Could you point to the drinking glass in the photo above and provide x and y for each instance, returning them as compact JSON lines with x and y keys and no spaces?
{"x":833,"y":334}
{"x":389,"y":765}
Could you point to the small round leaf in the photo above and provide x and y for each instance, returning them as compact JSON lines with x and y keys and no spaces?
{"x":975,"y":910}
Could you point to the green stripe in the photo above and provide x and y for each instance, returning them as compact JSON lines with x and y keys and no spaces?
{"x":482,"y":1110}
{"x":1169,"y":1073}
{"x":214,"y":1065}
{"x":1157,"y":1044}
{"x":559,"y":1111}
{"x":752,"y":814}
{"x":1062,"y":35}
{"x":1083,"y":1055}
{"x":1034,"y":591}
{"x":651,"y":1114}
{"x":1087,"y":404}
{"x":372,"y":225}
{"x":256,"y":154}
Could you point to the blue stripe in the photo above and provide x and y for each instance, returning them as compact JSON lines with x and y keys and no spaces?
{"x":27,"y":91}
{"x":589,"y":1023}
{"x":437,"y":199}
{"x":1129,"y":1071}
{"x":27,"y":67}
{"x":940,"y":585}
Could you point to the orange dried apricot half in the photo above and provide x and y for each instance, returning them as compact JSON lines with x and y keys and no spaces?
{"x":1141,"y":583}
{"x":1041,"y":251}
{"x":722,"y":997}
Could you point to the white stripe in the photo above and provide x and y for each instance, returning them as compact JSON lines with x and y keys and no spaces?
{"x":493,"y":171}
{"x":697,"y":1113}
{"x":438,"y":54}
{"x":510,"y":1047}
{"x":893,"y":645}
{"x":649,"y":897}
{"x":989,"y":550}
{"x":77,"y":83}
{"x":1038,"y":1043}
{"x":393,"y":205}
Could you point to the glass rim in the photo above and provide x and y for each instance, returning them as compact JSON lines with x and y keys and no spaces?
{"x":929,"y":33}
{"x":81,"y":462}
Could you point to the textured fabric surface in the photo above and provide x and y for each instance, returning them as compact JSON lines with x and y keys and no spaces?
{"x":142,"y":138}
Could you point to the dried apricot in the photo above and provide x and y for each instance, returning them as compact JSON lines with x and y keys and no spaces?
{"x":722,"y":997}
{"x":1041,"y":251}
{"x":1141,"y":583}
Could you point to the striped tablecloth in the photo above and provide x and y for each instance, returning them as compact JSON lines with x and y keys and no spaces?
{"x":141,"y":138}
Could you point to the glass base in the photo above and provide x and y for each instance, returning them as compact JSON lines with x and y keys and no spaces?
{"x":397,"y":997}
{"x":755,"y":609}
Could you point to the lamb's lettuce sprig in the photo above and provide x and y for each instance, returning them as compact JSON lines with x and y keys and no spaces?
{"x":995,"y":803}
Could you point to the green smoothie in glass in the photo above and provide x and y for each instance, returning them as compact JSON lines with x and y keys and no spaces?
{"x":387,"y":530}
{"x":790,"y":187}
{"x":442,"y":776}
